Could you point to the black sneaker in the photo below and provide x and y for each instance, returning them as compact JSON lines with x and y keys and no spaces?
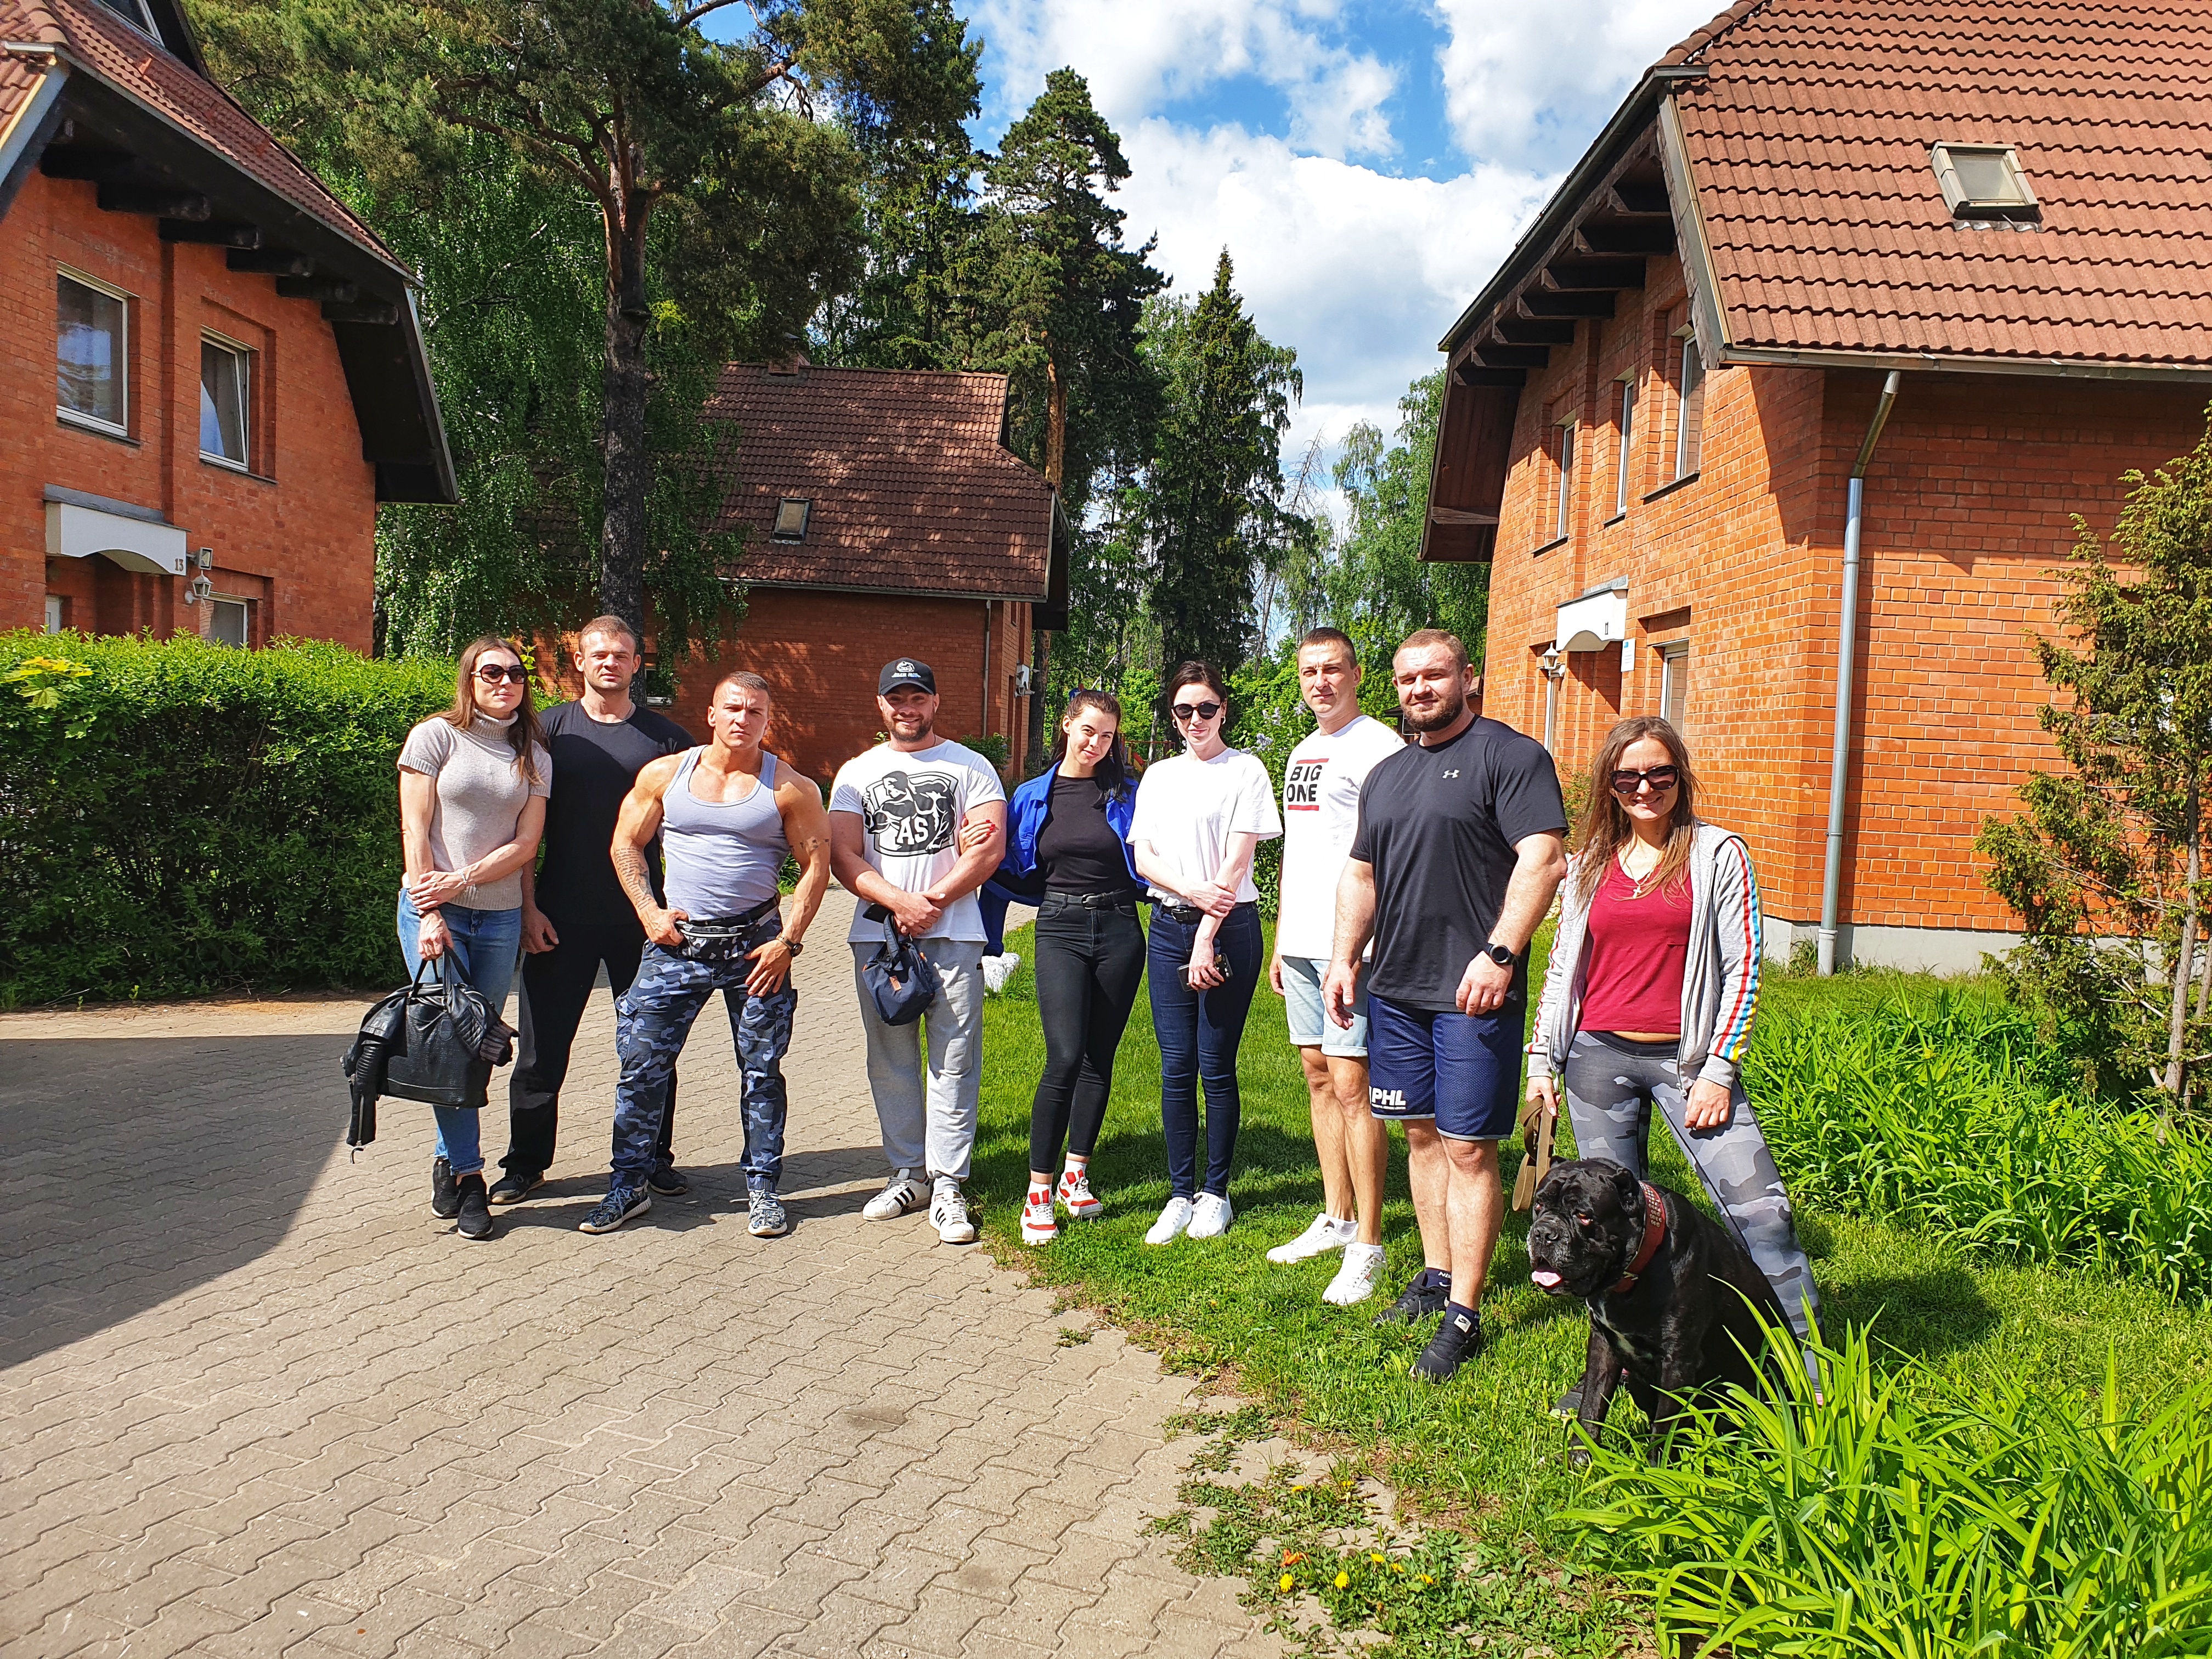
{"x":669,"y":1181}
{"x":1419,"y":1300}
{"x":445,"y":1193}
{"x":516,"y":1185}
{"x":1457,"y":1341}
{"x":620,"y":1204}
{"x":474,"y":1211}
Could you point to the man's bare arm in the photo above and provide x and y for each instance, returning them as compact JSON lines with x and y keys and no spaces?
{"x":978,"y":862}
{"x":1540,"y":862}
{"x":848,"y":862}
{"x":635,"y":829}
{"x":1355,"y":911}
{"x":806,"y":827}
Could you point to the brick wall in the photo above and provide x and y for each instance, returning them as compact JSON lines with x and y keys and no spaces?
{"x":1966,"y":529}
{"x":294,"y":535}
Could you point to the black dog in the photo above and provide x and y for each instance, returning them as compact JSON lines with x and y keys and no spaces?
{"x":1671,"y":1293}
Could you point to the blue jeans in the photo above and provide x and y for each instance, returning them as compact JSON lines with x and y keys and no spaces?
{"x":652,"y":1020}
{"x":487,"y":944}
{"x":1198,"y":1033}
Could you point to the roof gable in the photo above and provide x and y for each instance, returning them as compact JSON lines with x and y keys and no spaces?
{"x":911,"y":490}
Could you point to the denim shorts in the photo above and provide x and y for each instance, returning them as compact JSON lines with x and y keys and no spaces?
{"x":1462,"y":1070}
{"x":1308,"y":1011}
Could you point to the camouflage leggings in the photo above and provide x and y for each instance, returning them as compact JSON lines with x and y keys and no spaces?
{"x":1612,"y":1085}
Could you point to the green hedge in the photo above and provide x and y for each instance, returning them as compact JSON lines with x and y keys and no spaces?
{"x":178,"y":817}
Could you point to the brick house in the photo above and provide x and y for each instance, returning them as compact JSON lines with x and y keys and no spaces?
{"x":210,"y":372}
{"x":883,"y":516}
{"x":1837,"y":280}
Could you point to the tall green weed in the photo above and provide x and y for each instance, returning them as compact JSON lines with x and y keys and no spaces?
{"x":1908,"y":1516}
{"x":178,"y":817}
{"x":1956,"y":1114}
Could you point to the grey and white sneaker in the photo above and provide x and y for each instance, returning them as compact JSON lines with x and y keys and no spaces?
{"x":1173,"y":1219}
{"x":948,"y":1213}
{"x":1356,"y":1279}
{"x":1326,"y":1233}
{"x":902,"y":1195}
{"x":620,"y":1204}
{"x":764,"y":1214}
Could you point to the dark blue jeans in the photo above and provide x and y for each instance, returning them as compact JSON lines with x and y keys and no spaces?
{"x":652,"y":1020}
{"x":1198,"y":1034}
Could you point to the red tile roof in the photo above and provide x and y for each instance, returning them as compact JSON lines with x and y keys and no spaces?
{"x":1808,"y":138}
{"x":132,"y":62}
{"x":912,"y":491}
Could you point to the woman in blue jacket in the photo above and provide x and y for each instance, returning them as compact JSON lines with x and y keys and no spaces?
{"x":1067,"y":837}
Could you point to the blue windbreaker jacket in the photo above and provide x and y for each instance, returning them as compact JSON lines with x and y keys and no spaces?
{"x":1026,"y":812}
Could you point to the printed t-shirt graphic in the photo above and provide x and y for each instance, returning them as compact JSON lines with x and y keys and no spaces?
{"x":911,"y":806}
{"x":1321,"y":812}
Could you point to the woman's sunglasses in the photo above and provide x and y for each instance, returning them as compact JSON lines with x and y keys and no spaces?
{"x":1196,"y":711}
{"x":491,"y":673}
{"x":1659,"y":778}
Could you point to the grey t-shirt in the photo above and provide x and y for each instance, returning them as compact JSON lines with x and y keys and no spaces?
{"x":481,"y":793}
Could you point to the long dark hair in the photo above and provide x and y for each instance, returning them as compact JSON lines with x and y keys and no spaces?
{"x":1113,"y":772}
{"x":525,"y":734}
{"x":1605,"y":828}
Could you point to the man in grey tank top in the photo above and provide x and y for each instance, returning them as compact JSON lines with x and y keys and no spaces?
{"x":726,"y":813}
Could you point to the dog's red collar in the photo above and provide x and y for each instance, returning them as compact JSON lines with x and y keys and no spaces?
{"x":1655,"y":1234}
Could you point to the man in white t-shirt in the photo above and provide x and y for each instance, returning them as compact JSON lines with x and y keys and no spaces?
{"x":1321,"y":812}
{"x":897,"y":816}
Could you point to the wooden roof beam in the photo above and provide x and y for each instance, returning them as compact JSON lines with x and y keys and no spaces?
{"x":1541,"y":302}
{"x":1569,"y":274}
{"x":1489,"y":354}
{"x":1602,"y":237}
{"x":1545,"y":331}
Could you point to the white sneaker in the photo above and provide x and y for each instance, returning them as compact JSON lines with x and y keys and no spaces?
{"x":1355,"y":1280}
{"x":1039,"y":1224}
{"x":1172,"y":1221}
{"x":997,"y":971}
{"x":948,"y":1213}
{"x":1326,"y":1234}
{"x":1211,"y":1216}
{"x":901,"y":1194}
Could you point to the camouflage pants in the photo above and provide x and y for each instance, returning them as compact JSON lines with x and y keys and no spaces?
{"x":1611,"y":1090}
{"x":652,"y":1020}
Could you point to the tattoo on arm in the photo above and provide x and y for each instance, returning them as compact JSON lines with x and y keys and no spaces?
{"x":636,"y":878}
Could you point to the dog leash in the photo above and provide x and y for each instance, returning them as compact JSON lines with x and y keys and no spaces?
{"x":1655,"y":1234}
{"x":1533,"y":1169}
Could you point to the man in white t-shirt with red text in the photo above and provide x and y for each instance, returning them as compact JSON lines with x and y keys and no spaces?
{"x":916,"y":825}
{"x":1321,"y":812}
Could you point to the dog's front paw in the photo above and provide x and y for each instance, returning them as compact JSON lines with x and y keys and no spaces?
{"x":1578,"y":1455}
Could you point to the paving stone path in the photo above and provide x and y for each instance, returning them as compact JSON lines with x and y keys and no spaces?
{"x":254,"y":1399}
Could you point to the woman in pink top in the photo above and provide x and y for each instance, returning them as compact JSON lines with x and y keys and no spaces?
{"x":1650,"y":993}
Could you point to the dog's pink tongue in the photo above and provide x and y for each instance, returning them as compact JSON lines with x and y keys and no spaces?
{"x":1545,"y":1277}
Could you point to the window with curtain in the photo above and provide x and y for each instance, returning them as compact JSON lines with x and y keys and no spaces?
{"x":92,"y":327}
{"x":225,"y":395}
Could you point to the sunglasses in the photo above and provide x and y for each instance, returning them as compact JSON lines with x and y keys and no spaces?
{"x":1659,"y":780}
{"x":491,"y":673}
{"x":1196,"y":711}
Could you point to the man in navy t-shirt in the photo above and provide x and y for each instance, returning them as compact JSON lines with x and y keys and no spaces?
{"x":1461,"y":845}
{"x":575,"y":917}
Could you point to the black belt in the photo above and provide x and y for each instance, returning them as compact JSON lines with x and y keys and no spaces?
{"x":1124,"y":900}
{"x":730,"y":927}
{"x":1190,"y":915}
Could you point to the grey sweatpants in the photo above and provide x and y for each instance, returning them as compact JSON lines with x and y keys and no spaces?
{"x":1612,"y":1087}
{"x":929,"y":1124}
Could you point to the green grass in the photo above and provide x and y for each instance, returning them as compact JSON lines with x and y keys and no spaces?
{"x":1481,"y":1453}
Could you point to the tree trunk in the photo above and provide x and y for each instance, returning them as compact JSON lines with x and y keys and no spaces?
{"x":627,"y":467}
{"x":2184,"y":959}
{"x":1056,"y":435}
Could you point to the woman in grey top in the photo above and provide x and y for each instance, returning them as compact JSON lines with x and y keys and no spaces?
{"x":472,"y":786}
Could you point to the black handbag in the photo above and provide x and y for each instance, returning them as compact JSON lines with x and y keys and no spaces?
{"x":434,"y":1041}
{"x":902,"y":982}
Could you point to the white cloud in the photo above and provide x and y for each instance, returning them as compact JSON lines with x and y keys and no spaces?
{"x":1139,"y":55}
{"x":1360,"y":271}
{"x":1532,"y":84}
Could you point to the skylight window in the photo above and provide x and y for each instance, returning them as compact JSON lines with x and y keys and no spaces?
{"x":134,"y":11}
{"x":791,"y":515}
{"x":1984,"y":182}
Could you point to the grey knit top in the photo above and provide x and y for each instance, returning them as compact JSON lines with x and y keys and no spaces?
{"x":481,"y":793}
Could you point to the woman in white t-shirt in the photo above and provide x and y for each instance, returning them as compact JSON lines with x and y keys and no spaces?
{"x":1200,"y":817}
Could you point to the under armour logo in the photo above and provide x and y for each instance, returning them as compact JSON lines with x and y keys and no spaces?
{"x":1453,"y":773}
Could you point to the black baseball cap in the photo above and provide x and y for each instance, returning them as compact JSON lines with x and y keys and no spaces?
{"x":905,"y":672}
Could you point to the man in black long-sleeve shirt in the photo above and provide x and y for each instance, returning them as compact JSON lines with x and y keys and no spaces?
{"x":575,"y":917}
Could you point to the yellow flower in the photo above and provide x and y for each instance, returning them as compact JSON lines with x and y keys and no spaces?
{"x":1374,"y":1558}
{"x":1342,"y":1579}
{"x":1286,"y":1581}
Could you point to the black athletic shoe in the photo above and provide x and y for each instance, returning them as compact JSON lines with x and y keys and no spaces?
{"x":516,"y":1185}
{"x":475,"y":1209}
{"x":445,"y":1193}
{"x":620,"y":1204}
{"x":669,"y":1181}
{"x":1457,"y":1341}
{"x":1419,"y":1300}
{"x":1570,"y":1408}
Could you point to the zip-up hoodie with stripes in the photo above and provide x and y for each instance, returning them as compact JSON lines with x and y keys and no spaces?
{"x":1720,"y":975}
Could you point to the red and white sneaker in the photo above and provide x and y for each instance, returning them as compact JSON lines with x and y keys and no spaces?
{"x":1039,"y":1226}
{"x":1077,"y":1198}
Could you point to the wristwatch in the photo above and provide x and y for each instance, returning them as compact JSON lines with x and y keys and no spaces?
{"x":790,"y":945}
{"x":1500,"y":955}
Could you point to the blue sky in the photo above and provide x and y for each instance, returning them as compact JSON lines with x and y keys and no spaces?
{"x":1366,"y":162}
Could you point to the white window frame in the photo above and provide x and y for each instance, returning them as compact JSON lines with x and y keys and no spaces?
{"x":1686,"y":353}
{"x":245,"y":354}
{"x":245,"y":618}
{"x":2020,"y":207}
{"x":76,"y":418}
{"x":54,"y":612}
{"x":1674,"y":684}
{"x":134,"y":13}
{"x":1626,"y":428}
{"x":1563,"y":522}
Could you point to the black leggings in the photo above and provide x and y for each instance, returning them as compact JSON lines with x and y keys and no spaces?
{"x":1089,"y":963}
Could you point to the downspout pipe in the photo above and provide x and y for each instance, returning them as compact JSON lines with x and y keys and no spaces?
{"x":1839,"y":762}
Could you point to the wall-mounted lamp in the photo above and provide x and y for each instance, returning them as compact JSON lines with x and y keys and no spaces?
{"x":198,"y":590}
{"x":207,"y":558}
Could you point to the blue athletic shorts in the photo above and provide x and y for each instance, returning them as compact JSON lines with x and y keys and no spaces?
{"x":1462,"y":1070}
